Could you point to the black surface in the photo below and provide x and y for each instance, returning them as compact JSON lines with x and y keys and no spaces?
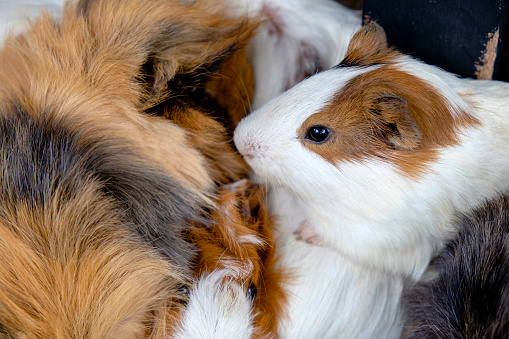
{"x":451,"y":34}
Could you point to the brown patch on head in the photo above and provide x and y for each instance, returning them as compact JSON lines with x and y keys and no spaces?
{"x":241,"y":235}
{"x":368,"y":47}
{"x":390,"y":115}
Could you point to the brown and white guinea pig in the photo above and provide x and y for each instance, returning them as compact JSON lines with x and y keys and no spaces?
{"x":378,"y":154}
{"x":237,"y":292}
{"x":96,"y":194}
{"x":468,"y":296}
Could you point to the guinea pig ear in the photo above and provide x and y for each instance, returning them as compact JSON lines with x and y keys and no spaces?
{"x":368,"y":47}
{"x":393,"y":124}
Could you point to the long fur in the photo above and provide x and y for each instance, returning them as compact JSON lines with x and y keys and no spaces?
{"x":71,"y":260}
{"x":96,"y":193}
{"x":237,"y":268}
{"x":14,"y":16}
{"x":468,"y":293}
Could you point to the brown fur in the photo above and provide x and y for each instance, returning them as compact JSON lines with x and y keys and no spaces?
{"x":234,"y":87}
{"x":242,"y":212}
{"x":369,"y":47}
{"x":94,"y":194}
{"x":209,"y":136}
{"x":64,"y":278}
{"x":385,"y":112}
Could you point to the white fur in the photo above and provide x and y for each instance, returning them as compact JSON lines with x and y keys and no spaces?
{"x":379,"y":222}
{"x":297,"y":37}
{"x":217,"y":309}
{"x":14,"y":14}
{"x":329,"y":296}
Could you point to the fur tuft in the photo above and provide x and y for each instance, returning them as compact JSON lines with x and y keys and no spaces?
{"x":240,"y":244}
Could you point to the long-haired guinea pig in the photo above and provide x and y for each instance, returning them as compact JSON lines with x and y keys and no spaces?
{"x":96,"y":194}
{"x":381,"y":152}
{"x":237,"y":292}
{"x":468,"y":294}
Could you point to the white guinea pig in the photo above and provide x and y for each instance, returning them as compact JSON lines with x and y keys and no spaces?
{"x":381,"y":152}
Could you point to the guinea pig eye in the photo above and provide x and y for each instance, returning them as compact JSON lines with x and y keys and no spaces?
{"x":252,"y":291}
{"x":318,"y":133}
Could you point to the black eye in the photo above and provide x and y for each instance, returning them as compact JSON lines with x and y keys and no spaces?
{"x":318,"y":133}
{"x":252,"y":291}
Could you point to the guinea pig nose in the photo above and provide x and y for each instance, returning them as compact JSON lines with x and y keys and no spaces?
{"x":249,"y":151}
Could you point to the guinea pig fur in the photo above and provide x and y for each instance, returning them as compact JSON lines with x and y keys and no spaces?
{"x":468,"y":296}
{"x":296,"y":38}
{"x":238,"y":292}
{"x":96,"y":194}
{"x":380,"y":153}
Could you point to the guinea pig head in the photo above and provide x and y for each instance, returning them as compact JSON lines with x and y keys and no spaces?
{"x":366,"y":109}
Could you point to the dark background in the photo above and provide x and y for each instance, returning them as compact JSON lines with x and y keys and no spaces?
{"x":452,"y":34}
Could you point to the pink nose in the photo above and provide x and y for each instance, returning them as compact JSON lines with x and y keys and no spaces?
{"x":249,"y":151}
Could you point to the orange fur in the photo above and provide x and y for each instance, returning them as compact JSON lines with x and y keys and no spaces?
{"x":369,"y":47}
{"x":241,"y":218}
{"x":86,"y":260}
{"x":70,"y":276}
{"x":235,"y":86}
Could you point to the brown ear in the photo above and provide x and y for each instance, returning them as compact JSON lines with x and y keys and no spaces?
{"x":394,"y":125}
{"x":368,"y":46}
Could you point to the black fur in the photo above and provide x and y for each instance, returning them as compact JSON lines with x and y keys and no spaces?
{"x":470,"y":296}
{"x":40,"y":155}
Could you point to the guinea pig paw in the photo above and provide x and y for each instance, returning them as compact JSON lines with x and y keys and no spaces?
{"x":307,"y":233}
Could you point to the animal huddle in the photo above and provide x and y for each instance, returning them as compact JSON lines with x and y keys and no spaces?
{"x":126,"y":209}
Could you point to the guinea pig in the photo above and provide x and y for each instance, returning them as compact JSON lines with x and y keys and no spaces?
{"x":468,"y":292}
{"x":378,"y":155}
{"x":97,"y":190}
